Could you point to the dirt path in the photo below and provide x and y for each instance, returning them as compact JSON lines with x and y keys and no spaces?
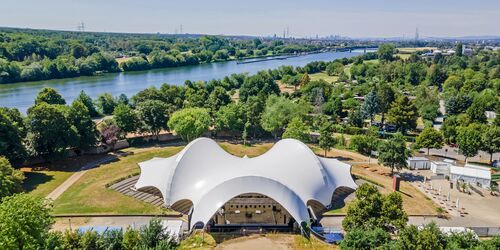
{"x":77,"y":175}
{"x":258,"y":242}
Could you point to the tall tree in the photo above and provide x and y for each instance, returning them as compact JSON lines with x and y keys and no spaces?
{"x":190,"y":123}
{"x":154,"y":115}
{"x":50,"y":133}
{"x":25,"y":221}
{"x":87,"y":101}
{"x":297,"y":129}
{"x":106,"y":103}
{"x":491,"y":140}
{"x":430,"y":138}
{"x":403,"y":114}
{"x":393,"y":153}
{"x":11,"y":179}
{"x":231,"y":118}
{"x":217,"y":99}
{"x":11,"y":136}
{"x":79,"y":118}
{"x":326,"y":139}
{"x":278,"y":112}
{"x":469,"y":140}
{"x":126,"y":118}
{"x":50,"y":96}
{"x":385,"y":52}
{"x":371,"y":210}
{"x":370,"y":107}
{"x":385,"y":96}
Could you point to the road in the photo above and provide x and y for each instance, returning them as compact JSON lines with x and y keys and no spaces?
{"x":449,"y":152}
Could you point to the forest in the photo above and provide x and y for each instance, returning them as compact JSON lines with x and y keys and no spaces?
{"x":32,"y":55}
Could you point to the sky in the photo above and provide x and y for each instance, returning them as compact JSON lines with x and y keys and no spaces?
{"x":305,"y":18}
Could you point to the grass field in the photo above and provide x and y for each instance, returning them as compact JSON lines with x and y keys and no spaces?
{"x":324,"y":76}
{"x":41,"y":179}
{"x":89,"y":194}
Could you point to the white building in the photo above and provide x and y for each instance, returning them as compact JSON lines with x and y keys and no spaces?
{"x":472,"y":174}
{"x":418,"y":163}
{"x":202,"y":178}
{"x":442,"y":167}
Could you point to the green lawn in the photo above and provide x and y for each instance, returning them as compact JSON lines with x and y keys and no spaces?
{"x":41,"y":183}
{"x":89,"y":194}
{"x":41,"y":179}
{"x":324,"y":76}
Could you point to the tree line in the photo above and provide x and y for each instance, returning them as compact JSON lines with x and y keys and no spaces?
{"x":32,"y":55}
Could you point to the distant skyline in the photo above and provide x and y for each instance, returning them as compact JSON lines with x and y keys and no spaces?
{"x":353,"y":18}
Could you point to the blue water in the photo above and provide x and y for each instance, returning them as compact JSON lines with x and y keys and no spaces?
{"x":22,"y":95}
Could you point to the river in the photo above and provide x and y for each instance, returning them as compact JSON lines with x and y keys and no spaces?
{"x":22,"y":95}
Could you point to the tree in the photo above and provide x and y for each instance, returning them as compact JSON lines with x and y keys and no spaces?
{"x":87,"y":101}
{"x":218,"y":98}
{"x":361,"y":239}
{"x":385,"y":52}
{"x":403,"y":114}
{"x":476,"y":111}
{"x":278,"y":112}
{"x":126,"y":118}
{"x":370,"y":106}
{"x":469,"y":140}
{"x":24,"y":222}
{"x":491,"y":140}
{"x":326,"y":139}
{"x":356,"y":118}
{"x":364,"y":144}
{"x":11,"y":180}
{"x":230,"y":118}
{"x":371,"y":210}
{"x":261,"y":83}
{"x":50,"y":96}
{"x":386,"y":96}
{"x":430,"y":138}
{"x":393,"y":153}
{"x":436,"y":76}
{"x":50,"y":133}
{"x":106,"y":103}
{"x":79,"y":118}
{"x":297,"y":129}
{"x":458,"y":49}
{"x":11,"y":136}
{"x":154,"y":115}
{"x":153,"y":235}
{"x":334,"y":68}
{"x":109,"y":132}
{"x":189,"y":123}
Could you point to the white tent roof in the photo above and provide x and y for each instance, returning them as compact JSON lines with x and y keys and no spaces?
{"x":205,"y":174}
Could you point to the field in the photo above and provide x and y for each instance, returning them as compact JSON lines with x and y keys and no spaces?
{"x":324,"y":76}
{"x":89,"y":194}
{"x":40,"y":181}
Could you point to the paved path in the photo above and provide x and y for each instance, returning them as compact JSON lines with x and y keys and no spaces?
{"x":63,"y":223}
{"x":73,"y":178}
{"x":450,"y":152}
